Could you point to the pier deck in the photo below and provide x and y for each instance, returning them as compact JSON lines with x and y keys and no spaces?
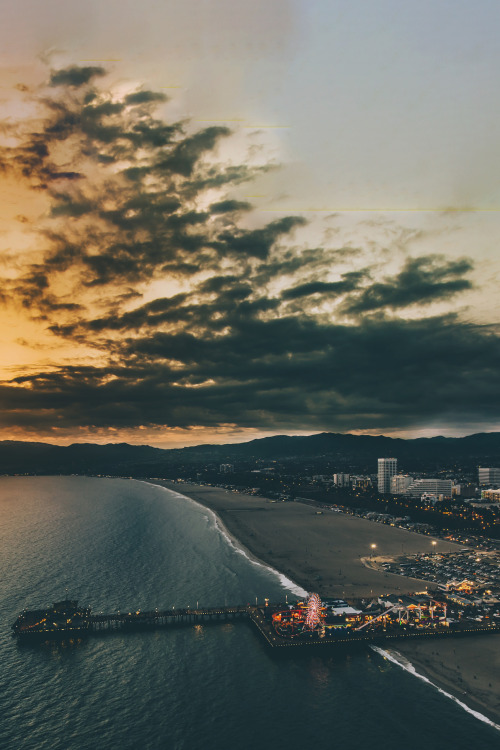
{"x":159,"y":618}
{"x":47,"y":626}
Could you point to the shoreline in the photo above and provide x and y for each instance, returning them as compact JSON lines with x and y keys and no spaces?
{"x":473,"y":682}
{"x":240,"y":548}
{"x":252,"y":523}
{"x":329,"y":553}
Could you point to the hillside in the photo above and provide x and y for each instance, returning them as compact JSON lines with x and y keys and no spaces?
{"x":141,"y":460}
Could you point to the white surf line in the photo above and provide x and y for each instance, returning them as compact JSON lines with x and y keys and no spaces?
{"x":287,"y":583}
{"x":396,"y":658}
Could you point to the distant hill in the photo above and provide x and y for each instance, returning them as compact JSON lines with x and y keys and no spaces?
{"x":142,"y":460}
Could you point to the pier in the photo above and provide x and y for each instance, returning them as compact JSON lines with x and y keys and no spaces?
{"x":66,"y":620}
{"x":168,"y":617}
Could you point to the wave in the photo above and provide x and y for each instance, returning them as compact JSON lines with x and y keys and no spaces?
{"x":396,"y":658}
{"x":285,"y":582}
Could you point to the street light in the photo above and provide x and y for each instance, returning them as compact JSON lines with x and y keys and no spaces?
{"x":372,"y":547}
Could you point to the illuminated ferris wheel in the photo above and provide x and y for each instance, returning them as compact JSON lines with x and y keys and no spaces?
{"x":313,"y":608}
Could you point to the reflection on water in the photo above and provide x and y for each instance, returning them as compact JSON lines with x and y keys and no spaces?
{"x":319,"y":669}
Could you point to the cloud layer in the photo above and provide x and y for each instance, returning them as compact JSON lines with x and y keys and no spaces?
{"x":199,"y":315}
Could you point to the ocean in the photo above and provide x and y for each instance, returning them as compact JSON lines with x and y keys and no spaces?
{"x":118,"y":544}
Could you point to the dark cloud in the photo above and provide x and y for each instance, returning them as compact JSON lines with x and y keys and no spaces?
{"x":286,"y":373}
{"x":421,"y":281}
{"x":186,"y":154}
{"x":75,"y":76}
{"x":224,"y":207}
{"x":66,"y":176}
{"x":145,"y":97}
{"x":256,"y":243}
{"x":200,"y":314}
{"x":348,"y":282}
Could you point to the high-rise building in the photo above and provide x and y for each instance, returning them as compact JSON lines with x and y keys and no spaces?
{"x":489,"y":475}
{"x":387,"y":467}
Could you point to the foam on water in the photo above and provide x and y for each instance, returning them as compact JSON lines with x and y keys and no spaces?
{"x":285,"y":582}
{"x":396,"y":658}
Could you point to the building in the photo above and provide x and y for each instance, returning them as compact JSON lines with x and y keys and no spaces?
{"x":464,"y":489}
{"x":430,"y":499}
{"x":400,"y":483}
{"x":430,"y":486}
{"x":387,"y":467}
{"x":342,"y":480}
{"x":489,"y":476}
{"x":493,"y":495}
{"x":226,"y":469}
{"x":361,"y":483}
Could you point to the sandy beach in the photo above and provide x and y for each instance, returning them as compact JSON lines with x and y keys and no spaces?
{"x":331,"y":553}
{"x":328,"y":553}
{"x":468,"y":668}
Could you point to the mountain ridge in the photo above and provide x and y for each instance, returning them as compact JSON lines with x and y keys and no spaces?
{"x":127,"y":459}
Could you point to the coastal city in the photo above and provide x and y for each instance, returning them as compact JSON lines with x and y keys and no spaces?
{"x":359,"y":573}
{"x":460,"y":585}
{"x":464,"y":508}
{"x":249,"y":423}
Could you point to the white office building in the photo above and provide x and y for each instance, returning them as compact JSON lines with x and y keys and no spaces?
{"x":400,"y":483}
{"x":429,"y":486}
{"x":387,"y":467}
{"x":489,"y":476}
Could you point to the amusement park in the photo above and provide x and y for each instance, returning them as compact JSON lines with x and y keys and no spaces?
{"x":330,"y":619}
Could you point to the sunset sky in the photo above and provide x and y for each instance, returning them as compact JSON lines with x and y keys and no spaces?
{"x":224,"y":220}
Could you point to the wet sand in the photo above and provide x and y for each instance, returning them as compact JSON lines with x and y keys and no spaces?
{"x":468,"y":668}
{"x":331,"y":554}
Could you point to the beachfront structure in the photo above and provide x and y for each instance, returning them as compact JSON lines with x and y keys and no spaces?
{"x":400,"y":483}
{"x":341,"y":480}
{"x":493,"y":495}
{"x":387,"y":468}
{"x":464,"y":489}
{"x":360,"y":482}
{"x":489,"y":475}
{"x":429,"y":486}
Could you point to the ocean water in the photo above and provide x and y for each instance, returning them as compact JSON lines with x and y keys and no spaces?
{"x":120,"y":544}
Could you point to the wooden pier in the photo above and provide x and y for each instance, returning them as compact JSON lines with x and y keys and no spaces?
{"x":168,"y":617}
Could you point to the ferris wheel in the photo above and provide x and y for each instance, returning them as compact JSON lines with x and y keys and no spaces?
{"x":313,"y":608}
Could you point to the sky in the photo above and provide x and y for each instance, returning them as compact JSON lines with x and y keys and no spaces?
{"x":222,"y":220}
